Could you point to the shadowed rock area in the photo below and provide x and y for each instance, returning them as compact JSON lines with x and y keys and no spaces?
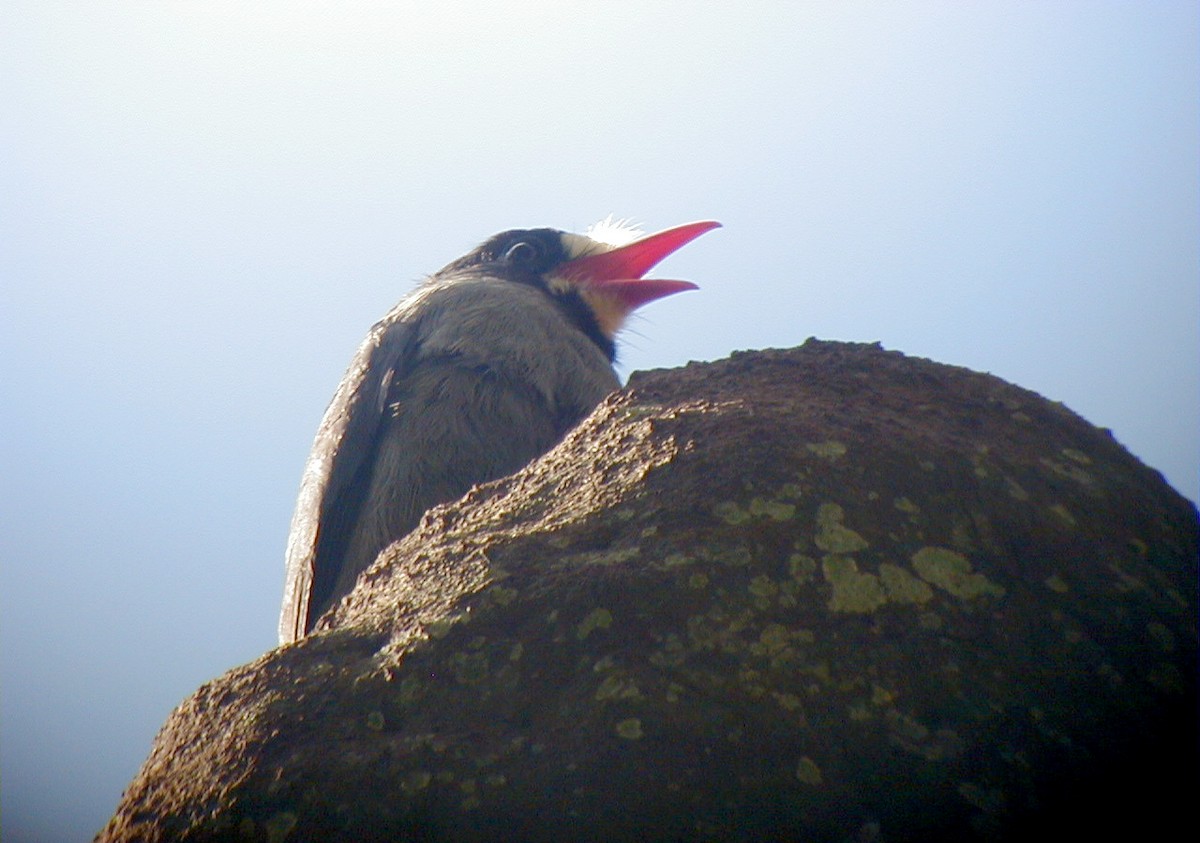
{"x":830,"y":593}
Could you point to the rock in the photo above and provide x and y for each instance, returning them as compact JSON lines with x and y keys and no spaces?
{"x":830,"y":593}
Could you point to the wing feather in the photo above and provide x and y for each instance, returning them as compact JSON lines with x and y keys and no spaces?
{"x":341,"y":450}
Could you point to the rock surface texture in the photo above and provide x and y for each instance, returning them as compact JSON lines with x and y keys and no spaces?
{"x":831,"y":593}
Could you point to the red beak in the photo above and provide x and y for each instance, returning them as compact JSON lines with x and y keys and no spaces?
{"x":619,"y":272}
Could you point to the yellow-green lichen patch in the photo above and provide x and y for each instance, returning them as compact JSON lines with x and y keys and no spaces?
{"x":518,"y":650}
{"x":775,"y":510}
{"x":979,"y":461}
{"x":774,"y":639}
{"x":719,"y":630}
{"x":1015,"y":490}
{"x":1056,"y":583}
{"x":930,"y":620}
{"x":595,"y":619}
{"x":470,"y":668}
{"x":630,"y":729}
{"x":735,"y":557}
{"x":676,"y":560}
{"x":606,"y":557}
{"x":415,"y":781}
{"x":1070,"y":471}
{"x":789,"y":589}
{"x":808,"y":772}
{"x":1176,"y":596}
{"x":1063,"y":515}
{"x":470,"y":792}
{"x":698,"y":581}
{"x":990,"y":800}
{"x":375,"y":721}
{"x":763,"y":586}
{"x":730,"y":513}
{"x":615,"y":687}
{"x":672,"y":654}
{"x":1162,"y":636}
{"x":1166,"y":677}
{"x":502,"y":596}
{"x":441,"y":627}
{"x":949,"y":570}
{"x":788,"y":702}
{"x":906,"y":505}
{"x":830,"y":449}
{"x":1125,"y":582}
{"x":777,"y":643}
{"x":832,"y":535}
{"x":752,"y":682}
{"x":859,"y":712}
{"x":279,"y":826}
{"x":801,"y":567}
{"x":962,"y":534}
{"x":853,"y":591}
{"x":910,"y":734}
{"x":901,"y":586}
{"x":409,"y":689}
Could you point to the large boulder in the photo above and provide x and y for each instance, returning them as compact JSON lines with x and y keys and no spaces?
{"x":830,"y":593}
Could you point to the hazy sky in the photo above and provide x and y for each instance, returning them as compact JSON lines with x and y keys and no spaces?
{"x":204,"y":206}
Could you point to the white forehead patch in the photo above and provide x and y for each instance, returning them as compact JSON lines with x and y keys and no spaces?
{"x":604,"y":236}
{"x":614,"y":232}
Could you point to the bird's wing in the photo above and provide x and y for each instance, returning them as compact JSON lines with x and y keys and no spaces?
{"x":343,"y":444}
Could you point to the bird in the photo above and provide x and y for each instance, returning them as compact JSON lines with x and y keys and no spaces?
{"x":478,"y":371}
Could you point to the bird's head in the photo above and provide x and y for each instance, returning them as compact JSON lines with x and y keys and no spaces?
{"x":596,"y":278}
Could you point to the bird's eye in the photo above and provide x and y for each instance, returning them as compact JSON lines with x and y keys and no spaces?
{"x":522,"y":252}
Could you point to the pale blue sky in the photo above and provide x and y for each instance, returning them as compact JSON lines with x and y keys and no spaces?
{"x":203,"y":207}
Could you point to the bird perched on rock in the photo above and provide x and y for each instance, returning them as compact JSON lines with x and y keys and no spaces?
{"x":481,"y":369}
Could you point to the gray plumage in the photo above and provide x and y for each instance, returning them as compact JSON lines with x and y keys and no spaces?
{"x":480,"y":370}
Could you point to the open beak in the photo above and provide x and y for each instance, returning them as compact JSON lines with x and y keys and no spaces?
{"x":617,"y":274}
